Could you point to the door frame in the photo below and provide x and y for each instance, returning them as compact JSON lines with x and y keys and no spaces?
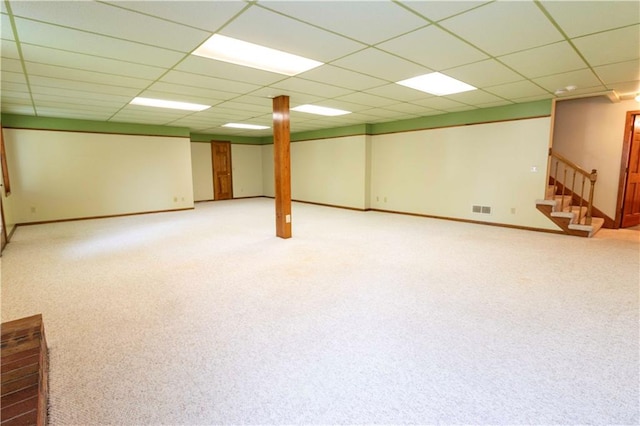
{"x":624,"y":162}
{"x":213,"y":168}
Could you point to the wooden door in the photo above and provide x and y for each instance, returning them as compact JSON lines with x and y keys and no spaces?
{"x":222,"y":177}
{"x":631,"y":204}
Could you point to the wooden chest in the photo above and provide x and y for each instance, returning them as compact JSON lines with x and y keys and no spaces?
{"x":25,"y":369}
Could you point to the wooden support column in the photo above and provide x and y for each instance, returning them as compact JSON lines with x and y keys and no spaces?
{"x":282,"y":165}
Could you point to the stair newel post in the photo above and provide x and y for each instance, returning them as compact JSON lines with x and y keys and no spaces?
{"x":592,"y":177}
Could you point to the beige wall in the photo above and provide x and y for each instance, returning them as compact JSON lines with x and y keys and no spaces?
{"x":7,"y":206}
{"x":590,"y":132}
{"x":443,"y":172}
{"x":61,"y":175}
{"x":330,"y":171}
{"x":202,"y":171}
{"x":327,"y":171}
{"x":246,"y":161}
{"x":268,"y":179}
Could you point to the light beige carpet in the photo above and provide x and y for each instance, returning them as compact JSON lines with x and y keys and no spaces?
{"x":204,"y":317}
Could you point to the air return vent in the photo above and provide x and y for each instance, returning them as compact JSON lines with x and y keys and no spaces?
{"x":481,"y":209}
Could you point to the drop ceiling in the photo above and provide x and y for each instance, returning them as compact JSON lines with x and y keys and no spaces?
{"x":89,"y":59}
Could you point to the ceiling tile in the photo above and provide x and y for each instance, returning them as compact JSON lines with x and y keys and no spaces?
{"x":610,"y":46}
{"x":409,"y":108}
{"x":297,"y":98}
{"x":439,"y":103}
{"x":586,"y":17}
{"x":82,"y":96}
{"x":178,"y":97}
{"x":146,"y":111}
{"x":91,"y":44}
{"x":341,"y":104}
{"x":206,"y":15}
{"x":253,"y":109}
{"x":5,"y":27}
{"x":11,"y":65}
{"x":396,"y":92}
{"x":209,"y":67}
{"x":39,"y":98}
{"x":71,"y":113}
{"x":69,"y":104}
{"x":330,"y":74}
{"x":9,"y":49}
{"x":545,"y":60}
{"x":437,"y":10}
{"x":197,"y":80}
{"x":433,"y":48}
{"x":99,"y":18}
{"x":494,"y":104}
{"x":581,"y":79}
{"x":620,"y":72}
{"x":44,"y":55}
{"x":376,"y":63}
{"x":366,"y":99}
{"x":270,"y":29}
{"x":519,"y":89}
{"x":305,"y":86}
{"x":170,"y":88}
{"x":475,"y":97}
{"x":352,"y":20}
{"x":630,"y":88}
{"x":14,"y":87}
{"x":14,"y":77}
{"x":76,"y":75}
{"x":484,"y":73}
{"x":11,"y":96}
{"x":503,"y":27}
{"x":17,"y":109}
{"x":83,"y":86}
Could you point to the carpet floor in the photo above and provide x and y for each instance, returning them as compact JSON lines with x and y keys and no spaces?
{"x":203,"y":317}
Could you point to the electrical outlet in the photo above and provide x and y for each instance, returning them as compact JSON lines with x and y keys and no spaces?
{"x":287,"y":218}
{"x":33,"y":209}
{"x":513,"y":210}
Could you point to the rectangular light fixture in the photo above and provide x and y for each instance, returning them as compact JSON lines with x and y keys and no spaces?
{"x":160,"y":103}
{"x":437,"y":84}
{"x":245,"y":126}
{"x":240,"y":52}
{"x":314,"y":109}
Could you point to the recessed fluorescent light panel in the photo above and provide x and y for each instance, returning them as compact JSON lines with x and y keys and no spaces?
{"x":437,"y":84}
{"x":160,"y":103}
{"x":313,"y":109}
{"x":240,"y":52}
{"x":245,"y":126}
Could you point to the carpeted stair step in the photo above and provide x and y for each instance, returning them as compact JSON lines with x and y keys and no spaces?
{"x":596,"y":224}
{"x":562,"y":202}
{"x":550,"y":192}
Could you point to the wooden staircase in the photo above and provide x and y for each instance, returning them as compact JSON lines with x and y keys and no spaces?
{"x":559,"y":203}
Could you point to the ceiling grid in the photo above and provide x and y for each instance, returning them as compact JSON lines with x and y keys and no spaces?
{"x":89,"y":59}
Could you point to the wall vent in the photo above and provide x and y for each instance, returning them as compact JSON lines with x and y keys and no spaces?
{"x":481,"y":209}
